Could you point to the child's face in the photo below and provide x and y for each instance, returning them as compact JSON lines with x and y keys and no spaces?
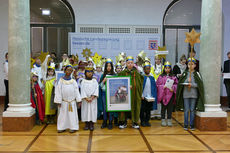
{"x":51,"y":72}
{"x":64,"y":56}
{"x":129,"y":64}
{"x":98,"y":69}
{"x":122,"y":62}
{"x":147,"y":70}
{"x":118,"y":69}
{"x":183,"y":62}
{"x":90,"y":63}
{"x":34,"y":78}
{"x":157,"y":60}
{"x":38,"y":61}
{"x":89,"y":74}
{"x":109,"y":67}
{"x":68,"y":71}
{"x":191,"y":66}
{"x":167,"y":70}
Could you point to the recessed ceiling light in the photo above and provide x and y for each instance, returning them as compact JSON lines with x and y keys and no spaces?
{"x":45,"y":12}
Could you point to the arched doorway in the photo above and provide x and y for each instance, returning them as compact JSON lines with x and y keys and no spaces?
{"x":180,"y":17}
{"x":50,"y":23}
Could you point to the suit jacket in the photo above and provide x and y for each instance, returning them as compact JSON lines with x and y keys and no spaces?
{"x":226,"y":67}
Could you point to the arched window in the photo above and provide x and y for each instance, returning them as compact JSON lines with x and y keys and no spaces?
{"x":180,"y":17}
{"x":51,"y":20}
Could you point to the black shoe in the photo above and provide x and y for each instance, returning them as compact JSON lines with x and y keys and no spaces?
{"x":192,"y":127}
{"x":143,"y":124}
{"x":72,"y":131}
{"x":86,"y":126}
{"x":135,"y":125}
{"x":110,"y":126}
{"x":91,"y":126}
{"x":61,"y":131}
{"x":147,"y":124}
{"x":186,"y":127}
{"x":104,"y":124}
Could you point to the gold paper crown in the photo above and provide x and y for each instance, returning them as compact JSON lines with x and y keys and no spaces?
{"x":192,"y":60}
{"x":99,"y":64}
{"x":142,"y":54}
{"x":119,"y":58}
{"x":122,"y":54}
{"x":129,"y":58}
{"x":167,"y":64}
{"x":118,"y":64}
{"x":147,"y":64}
{"x":109,"y":60}
{"x":147,"y":59}
{"x":68,"y":65}
{"x":51,"y":67}
{"x":89,"y":68}
{"x":34,"y":73}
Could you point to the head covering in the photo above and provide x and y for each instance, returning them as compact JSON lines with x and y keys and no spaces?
{"x":129,"y":58}
{"x":192,"y":60}
{"x":109,"y":60}
{"x":118,"y":65}
{"x":168,"y":64}
{"x":147,"y":64}
{"x":147,"y":59}
{"x":89,"y":69}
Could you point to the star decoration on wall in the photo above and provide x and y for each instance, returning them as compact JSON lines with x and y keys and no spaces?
{"x":192,"y":37}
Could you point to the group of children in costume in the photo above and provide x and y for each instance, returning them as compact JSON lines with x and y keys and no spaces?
{"x":155,"y":90}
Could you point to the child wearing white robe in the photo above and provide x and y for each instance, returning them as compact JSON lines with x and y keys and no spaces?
{"x":89,"y":94}
{"x":66,"y":95}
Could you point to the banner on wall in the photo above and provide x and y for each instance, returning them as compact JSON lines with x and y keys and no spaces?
{"x":110,"y":45}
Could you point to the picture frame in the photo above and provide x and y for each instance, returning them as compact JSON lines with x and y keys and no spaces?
{"x":118,"y":94}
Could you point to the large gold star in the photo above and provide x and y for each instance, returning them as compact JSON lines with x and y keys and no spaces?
{"x":162,"y":49}
{"x":192,"y":37}
{"x":96,"y":58}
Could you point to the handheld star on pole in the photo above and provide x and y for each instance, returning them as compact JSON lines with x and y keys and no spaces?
{"x":86,"y":53}
{"x":192,"y":38}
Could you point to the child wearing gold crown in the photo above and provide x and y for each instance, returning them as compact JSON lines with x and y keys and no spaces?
{"x":166,"y":93}
{"x":49,"y":82}
{"x":89,"y":94}
{"x":137,"y":87}
{"x":36,"y":98}
{"x":108,"y":71}
{"x":149,"y":96}
{"x":190,"y":93}
{"x":66,"y":96}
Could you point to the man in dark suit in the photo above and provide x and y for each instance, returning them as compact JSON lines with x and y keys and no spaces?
{"x":227,"y":81}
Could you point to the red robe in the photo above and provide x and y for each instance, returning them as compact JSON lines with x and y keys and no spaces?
{"x":40,"y":102}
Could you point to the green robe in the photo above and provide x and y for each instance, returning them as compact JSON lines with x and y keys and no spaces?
{"x":200,"y":90}
{"x":136,"y":93}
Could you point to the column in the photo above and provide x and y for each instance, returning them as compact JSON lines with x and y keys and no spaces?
{"x":20,"y":115}
{"x":213,"y":119}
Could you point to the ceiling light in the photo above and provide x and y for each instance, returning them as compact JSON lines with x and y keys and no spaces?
{"x":45,"y":12}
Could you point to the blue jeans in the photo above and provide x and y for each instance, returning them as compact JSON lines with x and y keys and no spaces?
{"x":189,"y":106}
{"x":106,"y":114}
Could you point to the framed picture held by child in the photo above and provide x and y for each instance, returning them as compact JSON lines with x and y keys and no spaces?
{"x":118,"y":94}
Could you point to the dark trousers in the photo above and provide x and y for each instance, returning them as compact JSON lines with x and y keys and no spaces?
{"x":146,"y":108}
{"x":6,"y":82}
{"x":227,"y":86}
{"x":168,"y":108}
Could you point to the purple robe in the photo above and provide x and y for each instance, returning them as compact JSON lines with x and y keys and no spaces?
{"x":164,"y":94}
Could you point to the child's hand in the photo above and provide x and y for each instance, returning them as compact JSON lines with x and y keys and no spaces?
{"x":189,"y":85}
{"x":171,"y":90}
{"x":189,"y":80}
{"x":105,"y":79}
{"x":131,"y":86}
{"x":59,"y":105}
{"x":142,"y":98}
{"x":165,"y":87}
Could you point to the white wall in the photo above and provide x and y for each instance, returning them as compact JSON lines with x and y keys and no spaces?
{"x":3,"y":40}
{"x":125,"y":12}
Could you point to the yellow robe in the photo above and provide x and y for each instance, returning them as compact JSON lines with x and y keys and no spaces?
{"x":48,"y":94}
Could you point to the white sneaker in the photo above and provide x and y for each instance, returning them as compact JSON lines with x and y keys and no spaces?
{"x":135,"y":126}
{"x":122,"y":126}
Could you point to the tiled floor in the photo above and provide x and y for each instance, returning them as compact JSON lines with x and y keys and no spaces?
{"x":156,"y":139}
